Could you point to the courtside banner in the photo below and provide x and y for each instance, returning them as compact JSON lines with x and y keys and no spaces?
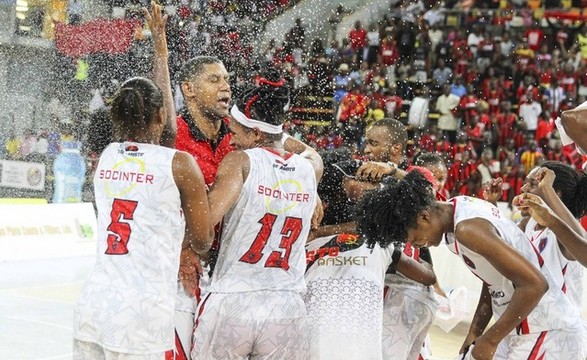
{"x":22,"y":175}
{"x":47,"y":231}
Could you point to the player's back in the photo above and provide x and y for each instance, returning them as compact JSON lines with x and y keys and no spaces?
{"x":345,"y":288}
{"x":263,"y":235}
{"x":140,"y":230}
{"x":554,"y":311}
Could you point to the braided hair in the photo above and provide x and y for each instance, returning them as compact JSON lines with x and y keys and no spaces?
{"x":572,"y":186}
{"x":135,"y":104}
{"x":266,"y":101}
{"x":384,"y":215}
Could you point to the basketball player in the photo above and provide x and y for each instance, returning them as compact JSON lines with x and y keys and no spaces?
{"x":202,"y":131}
{"x":345,"y":280}
{"x":409,"y":305}
{"x":254,"y":307}
{"x":146,"y":194}
{"x":517,"y":290}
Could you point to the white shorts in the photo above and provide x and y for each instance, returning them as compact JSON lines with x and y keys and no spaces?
{"x":547,"y":345}
{"x":406,"y":321}
{"x":84,"y":350}
{"x":184,"y":331}
{"x":251,"y":325}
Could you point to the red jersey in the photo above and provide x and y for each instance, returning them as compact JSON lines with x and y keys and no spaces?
{"x":207,"y":153}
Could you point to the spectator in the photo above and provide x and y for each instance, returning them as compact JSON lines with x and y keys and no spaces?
{"x":531,"y":157}
{"x":488,"y":167}
{"x":529,"y":113}
{"x":358,"y":38}
{"x":75,"y":10}
{"x":442,"y":75}
{"x":446,"y":104}
{"x":372,"y":49}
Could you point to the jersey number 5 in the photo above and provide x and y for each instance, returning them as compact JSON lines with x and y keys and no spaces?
{"x":120,"y":231}
{"x":292,"y":227}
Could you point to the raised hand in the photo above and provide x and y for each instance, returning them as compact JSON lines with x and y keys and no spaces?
{"x":492,"y":190}
{"x":156,"y":21}
{"x":536,"y":207}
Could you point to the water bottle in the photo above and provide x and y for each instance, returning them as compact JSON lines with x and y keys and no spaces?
{"x":69,"y":170}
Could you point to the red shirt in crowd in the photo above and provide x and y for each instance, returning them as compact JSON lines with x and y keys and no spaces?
{"x":358,"y":38}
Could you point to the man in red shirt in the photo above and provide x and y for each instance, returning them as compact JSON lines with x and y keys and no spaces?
{"x":202,"y":131}
{"x":358,"y":38}
{"x":202,"y":125}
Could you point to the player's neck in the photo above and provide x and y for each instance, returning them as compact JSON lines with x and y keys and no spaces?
{"x":209,"y":126}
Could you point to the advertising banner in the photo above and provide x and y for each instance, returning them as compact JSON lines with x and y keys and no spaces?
{"x":22,"y":175}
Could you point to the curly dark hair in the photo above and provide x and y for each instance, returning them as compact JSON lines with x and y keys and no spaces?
{"x":572,"y":186}
{"x":266,"y":101}
{"x":338,"y":208}
{"x":384,"y":215}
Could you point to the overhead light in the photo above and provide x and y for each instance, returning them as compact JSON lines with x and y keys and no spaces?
{"x":24,"y":28}
{"x":22,"y":8}
{"x":20,"y":16}
{"x":22,"y":3}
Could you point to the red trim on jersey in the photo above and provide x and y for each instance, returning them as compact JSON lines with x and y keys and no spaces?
{"x":523,"y":328}
{"x":564,"y":289}
{"x":200,"y":311}
{"x":536,"y":348}
{"x":179,"y":350}
{"x":540,"y":259}
{"x":274,"y":152}
{"x":385,"y":291}
{"x":169,"y":355}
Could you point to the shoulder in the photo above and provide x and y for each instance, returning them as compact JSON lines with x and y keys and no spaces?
{"x":236,"y":158}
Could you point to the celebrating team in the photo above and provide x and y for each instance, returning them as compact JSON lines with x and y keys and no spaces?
{"x":210,"y":257}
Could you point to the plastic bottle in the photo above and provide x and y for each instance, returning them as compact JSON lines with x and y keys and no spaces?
{"x":69,"y":170}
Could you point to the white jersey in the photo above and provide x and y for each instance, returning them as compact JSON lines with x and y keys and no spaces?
{"x":344,"y":298}
{"x":554,"y":311}
{"x":263,"y":235}
{"x":408,"y":312}
{"x":567,"y":275}
{"x":127,"y":302}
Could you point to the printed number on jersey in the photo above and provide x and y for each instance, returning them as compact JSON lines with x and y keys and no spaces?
{"x":119,"y":231}
{"x":292,"y":227}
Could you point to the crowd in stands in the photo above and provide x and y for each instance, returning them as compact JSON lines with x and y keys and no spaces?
{"x":480,"y":82}
{"x":483,"y":88}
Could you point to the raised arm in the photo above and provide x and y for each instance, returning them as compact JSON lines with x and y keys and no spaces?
{"x":295,"y":146}
{"x":574,"y":244}
{"x":575,"y":124}
{"x":480,"y":236}
{"x":229,"y":182}
{"x":156,"y":22}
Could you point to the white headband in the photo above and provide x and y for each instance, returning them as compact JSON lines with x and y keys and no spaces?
{"x":252,"y":123}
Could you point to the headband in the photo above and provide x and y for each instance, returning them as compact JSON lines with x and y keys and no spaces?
{"x":252,"y":123}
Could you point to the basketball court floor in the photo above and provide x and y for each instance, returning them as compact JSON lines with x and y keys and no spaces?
{"x":36,"y":305}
